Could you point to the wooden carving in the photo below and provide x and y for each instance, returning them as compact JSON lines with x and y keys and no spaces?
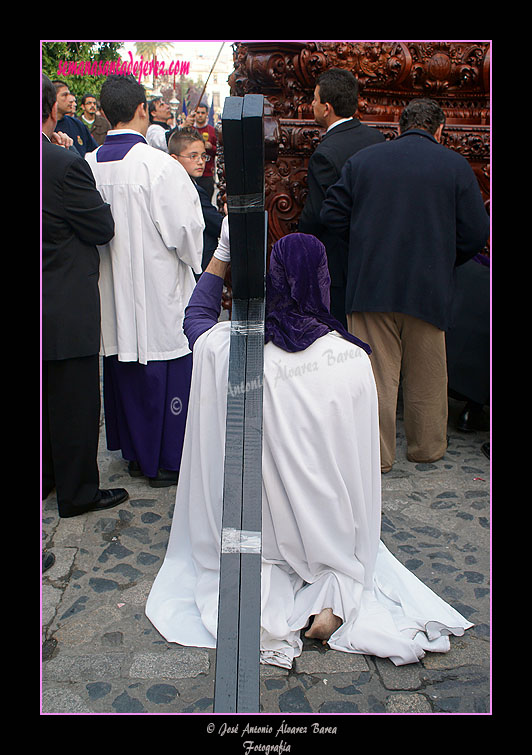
{"x":390,"y":74}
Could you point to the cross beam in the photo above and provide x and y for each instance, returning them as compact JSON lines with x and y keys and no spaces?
{"x":238,"y":641}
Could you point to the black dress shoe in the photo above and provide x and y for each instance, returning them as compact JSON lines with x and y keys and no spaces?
{"x":134,"y":469}
{"x":108,"y":499}
{"x":472,"y":419}
{"x":485,"y":448}
{"x":165,"y":478}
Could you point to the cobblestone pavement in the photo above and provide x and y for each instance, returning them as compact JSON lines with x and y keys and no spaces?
{"x":102,"y":655}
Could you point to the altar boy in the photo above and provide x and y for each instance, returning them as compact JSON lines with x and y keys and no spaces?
{"x":146,"y":279}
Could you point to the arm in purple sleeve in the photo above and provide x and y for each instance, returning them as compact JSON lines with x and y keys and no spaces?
{"x":203,"y":308}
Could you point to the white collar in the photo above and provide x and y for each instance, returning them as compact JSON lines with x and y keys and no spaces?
{"x":114,"y":131}
{"x":337,"y":123}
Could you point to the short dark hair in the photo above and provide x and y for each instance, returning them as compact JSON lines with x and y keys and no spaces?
{"x":180,"y":137}
{"x":339,"y":88}
{"x":49,"y":97}
{"x":87,"y":94}
{"x":151,"y":107}
{"x":120,"y":97}
{"x":422,"y":113}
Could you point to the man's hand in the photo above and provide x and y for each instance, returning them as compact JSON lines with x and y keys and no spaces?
{"x":61,"y":139}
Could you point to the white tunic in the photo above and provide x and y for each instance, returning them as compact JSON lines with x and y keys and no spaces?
{"x":146,"y":274}
{"x":321,"y":511}
{"x":156,"y":137}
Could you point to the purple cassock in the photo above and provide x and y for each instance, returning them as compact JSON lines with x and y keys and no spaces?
{"x":145,"y":405}
{"x":146,"y":410}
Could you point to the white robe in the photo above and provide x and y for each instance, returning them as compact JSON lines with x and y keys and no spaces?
{"x":146,"y":276}
{"x":321,"y":501}
{"x":156,"y":137}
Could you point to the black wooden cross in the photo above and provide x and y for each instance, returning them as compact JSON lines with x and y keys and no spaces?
{"x":238,"y":641}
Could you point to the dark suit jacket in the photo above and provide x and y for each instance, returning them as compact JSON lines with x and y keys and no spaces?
{"x":412,"y":210}
{"x":213,"y":225}
{"x":468,"y":337}
{"x":324,"y":170}
{"x":74,"y":220}
{"x":79,"y":133}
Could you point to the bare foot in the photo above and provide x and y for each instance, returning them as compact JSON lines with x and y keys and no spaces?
{"x":324,"y":624}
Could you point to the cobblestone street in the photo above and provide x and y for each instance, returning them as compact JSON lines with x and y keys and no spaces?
{"x":102,"y":655}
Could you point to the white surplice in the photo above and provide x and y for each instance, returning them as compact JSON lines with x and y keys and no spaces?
{"x":146,"y":276}
{"x":156,"y":137}
{"x":321,"y":501}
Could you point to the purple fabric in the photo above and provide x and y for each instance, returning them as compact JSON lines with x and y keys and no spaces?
{"x":203,"y":309}
{"x":116,"y":146}
{"x":482,"y":259}
{"x":146,"y":409}
{"x":298,"y":295}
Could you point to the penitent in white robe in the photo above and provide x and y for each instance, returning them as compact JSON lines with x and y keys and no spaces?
{"x":321,"y":500}
{"x":146,"y":276}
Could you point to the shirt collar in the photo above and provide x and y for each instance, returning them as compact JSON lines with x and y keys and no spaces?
{"x":115,"y":131}
{"x":337,"y":123}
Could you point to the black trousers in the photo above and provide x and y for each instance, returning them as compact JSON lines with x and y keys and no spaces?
{"x":338,"y":304}
{"x":70,"y":430}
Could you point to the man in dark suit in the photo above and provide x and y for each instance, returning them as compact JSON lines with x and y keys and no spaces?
{"x":335,"y":102}
{"x":74,"y":221}
{"x":413,"y":211}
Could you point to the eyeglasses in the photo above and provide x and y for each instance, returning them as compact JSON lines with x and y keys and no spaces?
{"x":196,"y":156}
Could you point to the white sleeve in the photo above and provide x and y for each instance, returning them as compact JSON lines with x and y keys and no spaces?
{"x":156,"y":137}
{"x":176,"y":211}
{"x":223,"y":250}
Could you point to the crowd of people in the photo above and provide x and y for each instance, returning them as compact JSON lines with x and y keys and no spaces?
{"x":358,"y":302}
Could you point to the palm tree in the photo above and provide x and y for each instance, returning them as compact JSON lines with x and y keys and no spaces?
{"x":150,"y":50}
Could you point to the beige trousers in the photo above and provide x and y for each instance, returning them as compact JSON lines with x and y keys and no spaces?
{"x":407,"y":347}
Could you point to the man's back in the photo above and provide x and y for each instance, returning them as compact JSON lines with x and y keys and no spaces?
{"x":154,"y":194}
{"x":145,"y":273}
{"x":412,"y":209}
{"x":346,"y":139}
{"x":320,"y":472}
{"x":74,"y":221}
{"x":325,"y":166}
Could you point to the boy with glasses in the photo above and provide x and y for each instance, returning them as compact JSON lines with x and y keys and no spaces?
{"x":198,"y":119}
{"x":187,"y":146}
